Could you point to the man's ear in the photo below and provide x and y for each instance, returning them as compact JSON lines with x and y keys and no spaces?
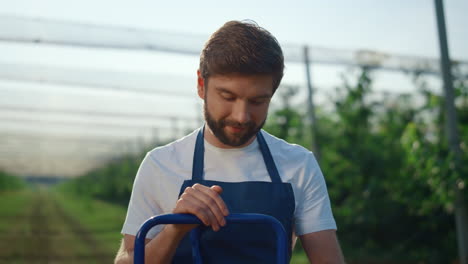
{"x":200,"y":85}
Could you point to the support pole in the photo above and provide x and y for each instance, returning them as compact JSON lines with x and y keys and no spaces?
{"x":310,"y":106}
{"x":461,"y":217}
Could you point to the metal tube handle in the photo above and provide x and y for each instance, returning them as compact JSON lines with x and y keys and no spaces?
{"x":281,"y":241}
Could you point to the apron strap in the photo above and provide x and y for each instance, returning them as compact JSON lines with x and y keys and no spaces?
{"x":269,"y":162}
{"x":199,"y":155}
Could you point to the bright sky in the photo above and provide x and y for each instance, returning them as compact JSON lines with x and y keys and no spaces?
{"x":399,"y":27}
{"x":396,"y":27}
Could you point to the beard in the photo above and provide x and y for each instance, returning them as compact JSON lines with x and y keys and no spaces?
{"x":250,"y":129}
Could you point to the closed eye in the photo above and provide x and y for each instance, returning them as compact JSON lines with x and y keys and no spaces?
{"x":259,"y":101}
{"x":255,"y":102}
{"x":228,"y":98}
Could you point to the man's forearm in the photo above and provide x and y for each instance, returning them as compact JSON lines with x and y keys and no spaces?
{"x":322,"y":247}
{"x":160,"y":249}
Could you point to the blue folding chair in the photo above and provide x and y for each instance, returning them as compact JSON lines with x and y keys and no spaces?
{"x":281,"y":242}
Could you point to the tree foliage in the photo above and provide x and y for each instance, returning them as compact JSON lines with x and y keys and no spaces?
{"x":390,"y":174}
{"x":112,"y":182}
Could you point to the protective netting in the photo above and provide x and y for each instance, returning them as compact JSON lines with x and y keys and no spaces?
{"x":92,"y":78}
{"x":75,"y":137}
{"x":38,"y":30}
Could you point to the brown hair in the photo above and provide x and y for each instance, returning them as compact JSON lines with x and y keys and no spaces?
{"x":245,"y":48}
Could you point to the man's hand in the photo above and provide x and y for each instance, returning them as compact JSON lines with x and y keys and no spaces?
{"x":199,"y":200}
{"x":203,"y":202}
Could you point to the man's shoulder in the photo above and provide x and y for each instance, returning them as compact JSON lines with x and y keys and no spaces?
{"x":280,"y":148}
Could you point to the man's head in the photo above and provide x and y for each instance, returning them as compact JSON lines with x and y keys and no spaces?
{"x":244,"y":48}
{"x":241,"y":66}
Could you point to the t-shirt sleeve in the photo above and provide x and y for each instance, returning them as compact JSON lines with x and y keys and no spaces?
{"x":143,"y":203}
{"x":313,"y":211}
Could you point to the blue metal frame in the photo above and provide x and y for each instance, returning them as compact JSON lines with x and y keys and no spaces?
{"x":281,"y":242}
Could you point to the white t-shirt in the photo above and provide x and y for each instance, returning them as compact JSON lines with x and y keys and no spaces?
{"x":164,"y":169}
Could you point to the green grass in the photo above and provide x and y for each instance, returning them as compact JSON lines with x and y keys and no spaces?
{"x":12,"y":204}
{"x":299,"y":257}
{"x":35,"y":228}
{"x":104,"y":220}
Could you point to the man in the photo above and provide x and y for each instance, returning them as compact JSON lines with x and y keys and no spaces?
{"x":231,"y":166}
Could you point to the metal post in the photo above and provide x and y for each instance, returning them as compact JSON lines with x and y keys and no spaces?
{"x":310,"y":104}
{"x":175,"y":128}
{"x":461,"y":218}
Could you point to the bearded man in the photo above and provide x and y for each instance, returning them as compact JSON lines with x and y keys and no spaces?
{"x":230,"y":165}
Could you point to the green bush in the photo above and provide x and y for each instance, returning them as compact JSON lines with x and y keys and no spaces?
{"x":10,"y":182}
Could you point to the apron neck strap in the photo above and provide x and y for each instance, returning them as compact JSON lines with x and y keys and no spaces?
{"x":268,"y":159}
{"x":199,"y":155}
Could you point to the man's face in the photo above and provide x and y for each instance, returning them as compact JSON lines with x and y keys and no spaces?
{"x":235,"y":108}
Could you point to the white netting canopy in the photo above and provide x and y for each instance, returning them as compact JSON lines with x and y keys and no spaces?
{"x":37,"y":30}
{"x":66,"y":120}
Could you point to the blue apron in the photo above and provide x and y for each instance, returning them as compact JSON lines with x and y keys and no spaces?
{"x":237,"y":243}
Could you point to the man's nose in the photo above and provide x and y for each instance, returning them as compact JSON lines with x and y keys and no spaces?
{"x":240,"y":112}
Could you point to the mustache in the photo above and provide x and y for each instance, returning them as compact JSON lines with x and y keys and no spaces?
{"x":224,"y":123}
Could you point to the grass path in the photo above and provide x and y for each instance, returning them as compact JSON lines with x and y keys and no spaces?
{"x":36,"y":228}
